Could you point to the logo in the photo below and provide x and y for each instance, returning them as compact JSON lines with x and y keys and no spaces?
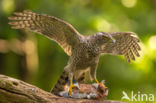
{"x":137,"y":96}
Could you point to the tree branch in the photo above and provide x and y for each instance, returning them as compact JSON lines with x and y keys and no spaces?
{"x":16,"y":91}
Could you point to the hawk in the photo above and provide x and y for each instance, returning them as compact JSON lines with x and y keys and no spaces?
{"x":84,"y":51}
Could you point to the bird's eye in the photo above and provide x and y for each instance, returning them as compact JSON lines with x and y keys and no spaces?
{"x":104,"y":37}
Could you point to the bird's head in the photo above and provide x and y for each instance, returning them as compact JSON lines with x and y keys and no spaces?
{"x":104,"y":37}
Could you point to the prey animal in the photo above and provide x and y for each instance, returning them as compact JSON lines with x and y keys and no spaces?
{"x":84,"y":51}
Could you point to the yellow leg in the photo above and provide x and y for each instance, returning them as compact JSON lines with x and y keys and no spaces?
{"x":71,"y":86}
{"x":96,"y":81}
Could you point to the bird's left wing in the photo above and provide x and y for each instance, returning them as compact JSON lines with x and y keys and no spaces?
{"x":56,"y":29}
{"x":125,"y":43}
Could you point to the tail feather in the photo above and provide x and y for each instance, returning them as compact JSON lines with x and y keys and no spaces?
{"x":59,"y":86}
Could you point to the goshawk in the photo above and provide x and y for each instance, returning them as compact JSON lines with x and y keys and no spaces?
{"x":84,"y":51}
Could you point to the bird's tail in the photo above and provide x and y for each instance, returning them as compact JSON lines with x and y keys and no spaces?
{"x":59,"y":86}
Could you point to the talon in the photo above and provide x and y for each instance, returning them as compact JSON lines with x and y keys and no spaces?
{"x":100,"y":83}
{"x":70,"y":91}
{"x":106,"y":87}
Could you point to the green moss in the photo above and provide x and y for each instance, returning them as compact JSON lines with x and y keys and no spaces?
{"x":9,"y":84}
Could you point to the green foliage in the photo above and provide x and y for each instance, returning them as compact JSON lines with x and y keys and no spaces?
{"x":40,"y":61}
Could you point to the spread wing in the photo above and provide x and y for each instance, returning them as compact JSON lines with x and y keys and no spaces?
{"x":126,"y":43}
{"x":58,"y":30}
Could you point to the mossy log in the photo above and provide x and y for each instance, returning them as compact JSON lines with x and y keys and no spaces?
{"x":17,"y":91}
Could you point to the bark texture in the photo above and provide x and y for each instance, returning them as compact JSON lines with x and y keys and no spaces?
{"x":17,"y":91}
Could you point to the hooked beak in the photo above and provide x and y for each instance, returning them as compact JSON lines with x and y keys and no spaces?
{"x":113,"y":40}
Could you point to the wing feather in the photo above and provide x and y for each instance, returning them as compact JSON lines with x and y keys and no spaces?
{"x":58,"y":30}
{"x":126,"y":44}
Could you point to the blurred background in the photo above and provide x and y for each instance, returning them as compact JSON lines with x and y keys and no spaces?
{"x":37,"y":60}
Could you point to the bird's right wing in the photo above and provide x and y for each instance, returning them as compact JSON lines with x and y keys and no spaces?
{"x":60,"y":31}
